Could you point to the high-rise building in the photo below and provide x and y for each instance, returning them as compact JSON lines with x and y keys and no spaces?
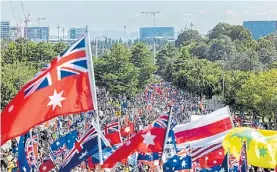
{"x":260,"y":29}
{"x":5,"y":29}
{"x":37,"y":33}
{"x":75,"y":33}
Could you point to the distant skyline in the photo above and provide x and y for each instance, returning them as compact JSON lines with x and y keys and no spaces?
{"x":114,"y":15}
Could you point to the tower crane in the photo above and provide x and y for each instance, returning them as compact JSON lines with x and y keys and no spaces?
{"x":152,"y":13}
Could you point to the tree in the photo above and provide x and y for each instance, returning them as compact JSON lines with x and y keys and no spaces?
{"x":233,"y":81}
{"x":200,"y":50}
{"x":221,"y":48}
{"x":118,"y":74}
{"x":235,"y":32}
{"x":198,"y":76}
{"x":142,"y":59}
{"x":259,"y":93}
{"x":244,"y":61}
{"x":164,"y":60}
{"x":187,"y":36}
{"x":13,"y":76}
{"x":266,"y":51}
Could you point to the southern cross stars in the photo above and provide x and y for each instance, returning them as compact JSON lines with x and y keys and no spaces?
{"x":83,"y":154}
{"x":56,"y":99}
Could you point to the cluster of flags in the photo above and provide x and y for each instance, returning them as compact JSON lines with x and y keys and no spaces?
{"x":65,"y":86}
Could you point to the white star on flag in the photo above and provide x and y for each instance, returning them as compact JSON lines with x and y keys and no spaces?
{"x":156,"y":163}
{"x":148,"y":138}
{"x":220,"y":153}
{"x":56,"y":99}
{"x":83,"y":154}
{"x":127,"y":130}
{"x":184,"y":163}
{"x":215,"y":162}
{"x":11,"y":108}
{"x":24,"y":169}
{"x":105,"y":156}
{"x":222,"y":170}
{"x":169,"y":139}
{"x":57,"y":143}
{"x":174,"y":160}
{"x":44,"y":168}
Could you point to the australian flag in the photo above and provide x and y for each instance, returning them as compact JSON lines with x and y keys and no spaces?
{"x":243,"y":159}
{"x":149,"y":156}
{"x":64,"y":144}
{"x":181,"y":161}
{"x":83,"y":148}
{"x":105,"y":154}
{"x":225,"y":164}
{"x":22,"y":158}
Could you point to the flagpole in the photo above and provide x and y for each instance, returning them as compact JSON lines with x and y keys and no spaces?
{"x":93,"y":91}
{"x":230,"y":115}
{"x":166,"y":134}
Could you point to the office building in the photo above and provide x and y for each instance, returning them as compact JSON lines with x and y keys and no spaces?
{"x":260,"y":29}
{"x":5,"y":29}
{"x":37,"y":34}
{"x":75,"y":33}
{"x":156,"y":32}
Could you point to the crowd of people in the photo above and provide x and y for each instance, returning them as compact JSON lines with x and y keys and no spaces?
{"x":141,"y":109}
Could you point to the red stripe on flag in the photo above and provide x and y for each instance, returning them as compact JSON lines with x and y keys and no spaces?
{"x":204,"y":131}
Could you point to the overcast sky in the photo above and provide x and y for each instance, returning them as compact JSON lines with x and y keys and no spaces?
{"x":103,"y":15}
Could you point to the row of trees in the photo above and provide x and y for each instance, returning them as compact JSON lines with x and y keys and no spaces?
{"x":227,"y":63}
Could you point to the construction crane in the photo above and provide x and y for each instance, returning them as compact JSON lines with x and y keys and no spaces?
{"x":39,"y":19}
{"x":152,"y":13}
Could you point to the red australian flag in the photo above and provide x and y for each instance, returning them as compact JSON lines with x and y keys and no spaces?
{"x":61,"y":88}
{"x":148,"y":140}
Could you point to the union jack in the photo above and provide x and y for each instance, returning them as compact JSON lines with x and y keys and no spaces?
{"x":112,"y":127}
{"x":78,"y":147}
{"x":161,"y":122}
{"x":31,"y":150}
{"x":72,"y":61}
{"x":61,"y":151}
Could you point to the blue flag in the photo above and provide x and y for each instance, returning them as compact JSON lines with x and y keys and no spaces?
{"x":213,"y":169}
{"x":85,"y":147}
{"x":105,"y":154}
{"x":22,"y":159}
{"x":132,"y":159}
{"x":243,"y":159}
{"x":62,"y":145}
{"x":149,"y":156}
{"x":225,"y":163}
{"x":181,"y":161}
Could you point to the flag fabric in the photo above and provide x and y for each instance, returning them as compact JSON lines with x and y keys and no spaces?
{"x":243,"y":165}
{"x":181,"y":161}
{"x":47,"y":164}
{"x":112,"y":127}
{"x":261,"y":145}
{"x":132,"y":159}
{"x":213,"y":169}
{"x":61,"y":88}
{"x":106,"y":152}
{"x":90,"y":164}
{"x":63,"y":145}
{"x":31,"y":149}
{"x":215,"y":123}
{"x":22,"y":158}
{"x":114,"y":138}
{"x":149,"y":156}
{"x":127,"y":130}
{"x":225,"y":164}
{"x":208,"y":156}
{"x":86,"y":146}
{"x":148,"y":140}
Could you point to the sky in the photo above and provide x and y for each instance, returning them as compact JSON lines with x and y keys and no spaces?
{"x":113,"y":15}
